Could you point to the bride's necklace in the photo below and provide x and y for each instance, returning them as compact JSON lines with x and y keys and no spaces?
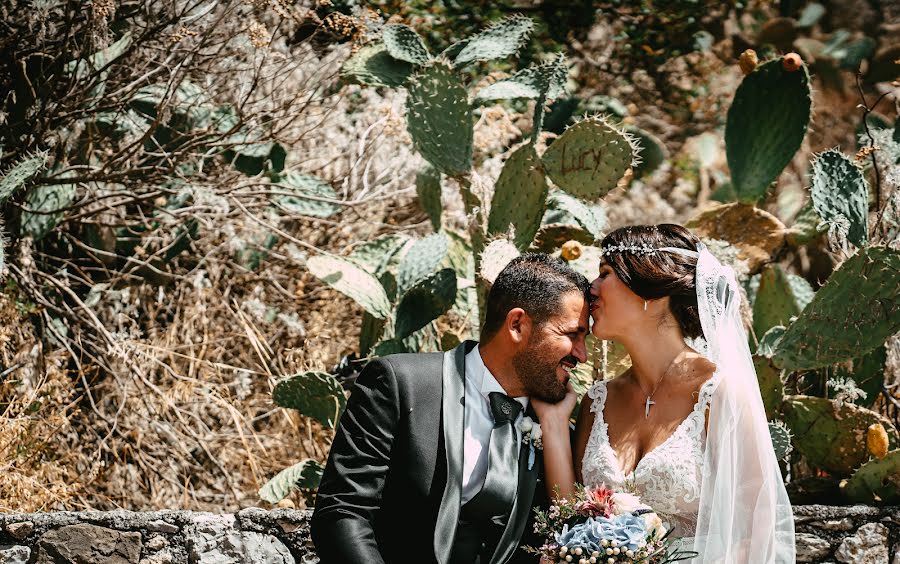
{"x":648,"y":402}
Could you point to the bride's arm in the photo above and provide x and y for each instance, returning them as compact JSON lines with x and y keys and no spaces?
{"x":560,"y":470}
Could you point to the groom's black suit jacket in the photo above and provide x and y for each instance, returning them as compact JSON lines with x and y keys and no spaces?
{"x":385,"y":495}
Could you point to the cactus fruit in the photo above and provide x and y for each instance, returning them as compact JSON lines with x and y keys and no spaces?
{"x":548,"y":78}
{"x":590,"y":158}
{"x":44,"y":207}
{"x":840,"y":323}
{"x":352,"y":281}
{"x":571,"y":250}
{"x":840,"y":194}
{"x":428,"y":189}
{"x":501,"y":39}
{"x":564,"y":209}
{"x":314,"y":394}
{"x":495,"y":257}
{"x":756,"y":233}
{"x":877,"y":440}
{"x":439,"y":119}
{"x":830,"y":437}
{"x":305,"y":475}
{"x":20,"y":173}
{"x":766,"y":124}
{"x":520,"y":195}
{"x":373,"y":65}
{"x":748,"y":61}
{"x":424,"y":302}
{"x":876,"y":481}
{"x":306,"y":186}
{"x":781,"y":439}
{"x":775,"y":303}
{"x":791,"y":62}
{"x":404,"y":44}
{"x":422,"y":259}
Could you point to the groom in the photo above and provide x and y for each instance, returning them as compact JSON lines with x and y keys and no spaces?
{"x":428,"y":463}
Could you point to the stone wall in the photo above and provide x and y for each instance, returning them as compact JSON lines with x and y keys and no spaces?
{"x":856,"y":534}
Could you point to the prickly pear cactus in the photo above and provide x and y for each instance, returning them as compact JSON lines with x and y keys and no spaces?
{"x":840,"y":194}
{"x":840,"y":323}
{"x":548,"y":78}
{"x":353,"y":281}
{"x":520,"y":195}
{"x":766,"y":125}
{"x":422,"y":259}
{"x":306,"y":474}
{"x":590,"y":158}
{"x":379,"y":254}
{"x":424,"y":302}
{"x":771,"y":386}
{"x":775,"y":303}
{"x":44,"y":208}
{"x":439,"y":119}
{"x":781,"y":439}
{"x":495,"y":257}
{"x":807,"y":226}
{"x":404,"y":44}
{"x":502,"y":39}
{"x":867,"y":373}
{"x":428,"y":188}
{"x":875,"y":482}
{"x":306,"y":186}
{"x":830,"y":437}
{"x":651,"y":150}
{"x":564,"y":209}
{"x":313,"y":394}
{"x":20,"y":173}
{"x":373,"y":65}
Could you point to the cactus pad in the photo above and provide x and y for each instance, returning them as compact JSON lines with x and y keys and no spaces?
{"x":439,"y":119}
{"x":495,"y":257}
{"x":552,"y":236}
{"x":806,"y":227}
{"x":876,"y":481}
{"x":373,"y":65}
{"x":422,"y":259}
{"x":840,"y":193}
{"x":771,"y":386}
{"x":830,"y":437}
{"x":549,"y":78}
{"x":425,"y":302}
{"x":768,"y":343}
{"x":44,"y":206}
{"x":766,"y":124}
{"x":650,"y":149}
{"x":380,"y":253}
{"x":756,"y":233}
{"x":563,"y":208}
{"x":305,"y":186}
{"x":520,"y":195}
{"x":775,"y":303}
{"x":590,"y":158}
{"x":404,"y":44}
{"x":352,"y":281}
{"x":867,"y":373}
{"x":428,"y":188}
{"x":502,"y":39}
{"x":781,"y":439}
{"x":20,"y":173}
{"x":856,"y":310}
{"x":305,"y":475}
{"x":314,"y":394}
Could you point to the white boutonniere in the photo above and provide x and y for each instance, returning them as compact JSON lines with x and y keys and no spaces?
{"x":531,"y":436}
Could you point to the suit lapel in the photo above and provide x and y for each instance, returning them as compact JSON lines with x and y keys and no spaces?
{"x":453,"y":424}
{"x":521,"y":504}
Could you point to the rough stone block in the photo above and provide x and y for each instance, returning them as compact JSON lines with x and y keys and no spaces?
{"x":811,"y":548}
{"x":868,"y":546}
{"x":20,"y":530}
{"x":14,"y":554}
{"x":88,"y":544}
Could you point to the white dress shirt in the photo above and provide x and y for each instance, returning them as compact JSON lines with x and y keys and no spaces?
{"x":479,"y":423}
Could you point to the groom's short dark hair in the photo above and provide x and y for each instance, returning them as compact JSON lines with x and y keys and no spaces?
{"x":534,"y":282}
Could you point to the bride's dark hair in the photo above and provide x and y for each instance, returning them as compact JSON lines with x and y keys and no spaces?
{"x":660,"y":274}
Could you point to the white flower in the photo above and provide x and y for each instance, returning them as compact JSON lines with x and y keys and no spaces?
{"x":531,"y":432}
{"x":526,"y":424}
{"x":654,"y":523}
{"x":536,"y":432}
{"x":626,"y":503}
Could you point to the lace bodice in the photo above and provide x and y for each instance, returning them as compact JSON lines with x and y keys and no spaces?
{"x":668,"y":477}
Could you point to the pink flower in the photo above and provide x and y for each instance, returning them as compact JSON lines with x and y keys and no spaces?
{"x":598,"y":501}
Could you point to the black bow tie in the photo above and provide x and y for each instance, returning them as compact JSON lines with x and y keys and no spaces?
{"x":504,"y":408}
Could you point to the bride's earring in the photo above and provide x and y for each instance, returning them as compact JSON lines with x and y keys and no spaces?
{"x":645,"y":305}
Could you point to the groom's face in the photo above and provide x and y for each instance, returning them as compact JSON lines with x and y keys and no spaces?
{"x":553,"y":349}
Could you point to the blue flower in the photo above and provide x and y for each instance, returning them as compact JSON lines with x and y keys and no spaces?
{"x":627,"y":530}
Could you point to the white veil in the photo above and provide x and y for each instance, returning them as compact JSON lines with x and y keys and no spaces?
{"x":745,"y":515}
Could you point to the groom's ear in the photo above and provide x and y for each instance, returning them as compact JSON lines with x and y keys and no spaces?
{"x":518,"y":325}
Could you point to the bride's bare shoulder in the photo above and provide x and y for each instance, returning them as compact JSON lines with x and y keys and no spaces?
{"x":697,"y":369}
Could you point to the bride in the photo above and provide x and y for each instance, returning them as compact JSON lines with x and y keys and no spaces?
{"x":684,"y":427}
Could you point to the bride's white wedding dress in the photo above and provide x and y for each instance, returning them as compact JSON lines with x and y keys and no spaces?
{"x":667,"y":478}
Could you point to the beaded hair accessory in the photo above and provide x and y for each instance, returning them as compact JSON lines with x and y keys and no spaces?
{"x":648,"y":250}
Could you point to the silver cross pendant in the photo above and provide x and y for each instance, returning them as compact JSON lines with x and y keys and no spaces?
{"x":647,"y":405}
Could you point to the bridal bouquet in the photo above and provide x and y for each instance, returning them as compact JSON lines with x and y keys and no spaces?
{"x":601,"y":526}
